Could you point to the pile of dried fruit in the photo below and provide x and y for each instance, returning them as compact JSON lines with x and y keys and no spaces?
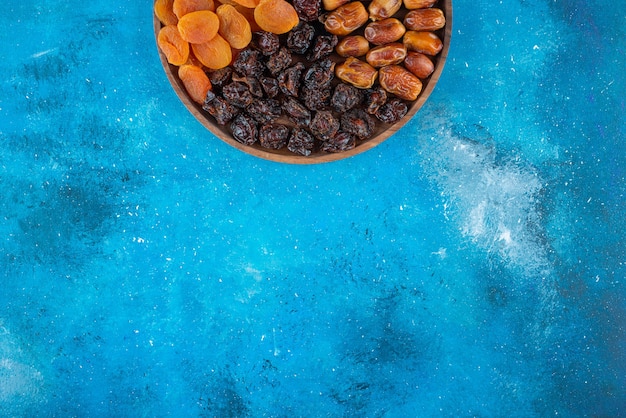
{"x":308,"y":75}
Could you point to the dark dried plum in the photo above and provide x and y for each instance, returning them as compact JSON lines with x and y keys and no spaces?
{"x":273,"y":135}
{"x":320,"y":73}
{"x":279,"y":61}
{"x":322,"y":47}
{"x":244,"y":129}
{"x":221,"y":77}
{"x":345,"y":97}
{"x":374,"y":99}
{"x":253,"y":83}
{"x":324,"y":125}
{"x":342,"y":141}
{"x":289,"y":80}
{"x":358,"y":123}
{"x":265,"y":110}
{"x":249,"y":62}
{"x":220,"y":109}
{"x":308,"y":10}
{"x":316,"y":98}
{"x":301,"y":142}
{"x":237,"y":94}
{"x":266,"y":42}
{"x":300,"y":38}
{"x":392,"y":111}
{"x":270,"y":86}
{"x":296,"y":112}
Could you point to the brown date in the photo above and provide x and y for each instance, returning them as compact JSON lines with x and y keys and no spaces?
{"x":425,"y":42}
{"x":393,"y":53}
{"x":352,"y":46}
{"x":400,"y":81}
{"x":425,"y":19}
{"x":345,"y":19}
{"x":419,"y":4}
{"x":385,"y":31}
{"x":383,"y":9}
{"x":356,"y":72}
{"x":419,"y":64}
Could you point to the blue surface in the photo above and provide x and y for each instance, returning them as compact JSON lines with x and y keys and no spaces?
{"x":471,"y":265}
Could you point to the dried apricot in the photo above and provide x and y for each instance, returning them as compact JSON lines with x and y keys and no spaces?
{"x":248,"y":13}
{"x":173,"y":46}
{"x":196,"y":82}
{"x":182,"y":7}
{"x":163,"y":9}
{"x":276,"y":16}
{"x":251,"y":4}
{"x":198,"y":27}
{"x":214,"y":54}
{"x":233,"y":26}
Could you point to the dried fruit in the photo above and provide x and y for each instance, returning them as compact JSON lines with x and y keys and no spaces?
{"x":214,"y":54}
{"x":196,"y":82}
{"x":249,"y":63}
{"x":322,"y":47}
{"x":393,"y":53}
{"x":320,"y":74}
{"x":419,"y":4}
{"x":244,"y":129}
{"x":352,"y":46}
{"x":358,"y":123}
{"x":266,"y":42}
{"x":308,"y":10}
{"x":163,"y":9}
{"x":356,"y":72}
{"x":270,"y":86}
{"x":233,"y":26}
{"x":315,"y":97}
{"x":279,"y":61}
{"x":346,"y":18}
{"x":276,"y":16}
{"x":419,"y":64}
{"x":425,"y":42}
{"x":182,"y":7}
{"x":301,"y":142}
{"x":385,"y":31}
{"x":392,"y":111}
{"x":219,"y":78}
{"x":289,"y":80}
{"x":300,"y":38}
{"x":400,"y":81}
{"x":345,"y":97}
{"x":249,"y":4}
{"x":248,"y":13}
{"x":296,"y":112}
{"x":383,"y":9}
{"x":237,"y":94}
{"x":324,"y":125}
{"x":374,"y":99}
{"x":273,"y":135}
{"x":333,"y":4}
{"x":342,"y":141}
{"x":198,"y":27}
{"x":265,"y":110}
{"x":219,"y":108}
{"x":425,"y":19}
{"x":173,"y":46}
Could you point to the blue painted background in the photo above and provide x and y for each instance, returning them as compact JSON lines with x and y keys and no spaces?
{"x":471,"y":265}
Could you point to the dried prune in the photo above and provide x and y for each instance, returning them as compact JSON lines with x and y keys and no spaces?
{"x":296,"y":112}
{"x":374,"y":99}
{"x":270,"y":86}
{"x":322,"y":47}
{"x":249,"y":62}
{"x":273,"y":135}
{"x":279,"y":61}
{"x":358,"y":123}
{"x":308,"y":10}
{"x":342,"y":141}
{"x":219,"y":108}
{"x":219,"y":78}
{"x":300,"y":38}
{"x":265,"y":110}
{"x":392,"y":111}
{"x":320,"y":74}
{"x":266,"y":42}
{"x":301,"y":142}
{"x":324,"y":125}
{"x":316,"y":98}
{"x":289,"y":80}
{"x":345,"y":97}
{"x":244,"y":129}
{"x":237,"y":94}
{"x":253,"y":83}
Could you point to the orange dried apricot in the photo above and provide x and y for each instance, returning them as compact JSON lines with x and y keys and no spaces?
{"x":182,"y":7}
{"x":173,"y":46}
{"x":163,"y":9}
{"x":196,"y":82}
{"x":233,"y":26}
{"x":276,"y":16}
{"x":248,"y":13}
{"x":198,"y":27}
{"x":214,"y":54}
{"x":247,"y":3}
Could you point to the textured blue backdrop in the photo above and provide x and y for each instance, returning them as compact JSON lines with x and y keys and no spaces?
{"x":471,"y":265}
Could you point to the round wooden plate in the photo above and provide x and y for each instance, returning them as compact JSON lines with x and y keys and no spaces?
{"x":382,"y":132}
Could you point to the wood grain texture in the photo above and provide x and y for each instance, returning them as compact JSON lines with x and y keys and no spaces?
{"x":382,"y":132}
